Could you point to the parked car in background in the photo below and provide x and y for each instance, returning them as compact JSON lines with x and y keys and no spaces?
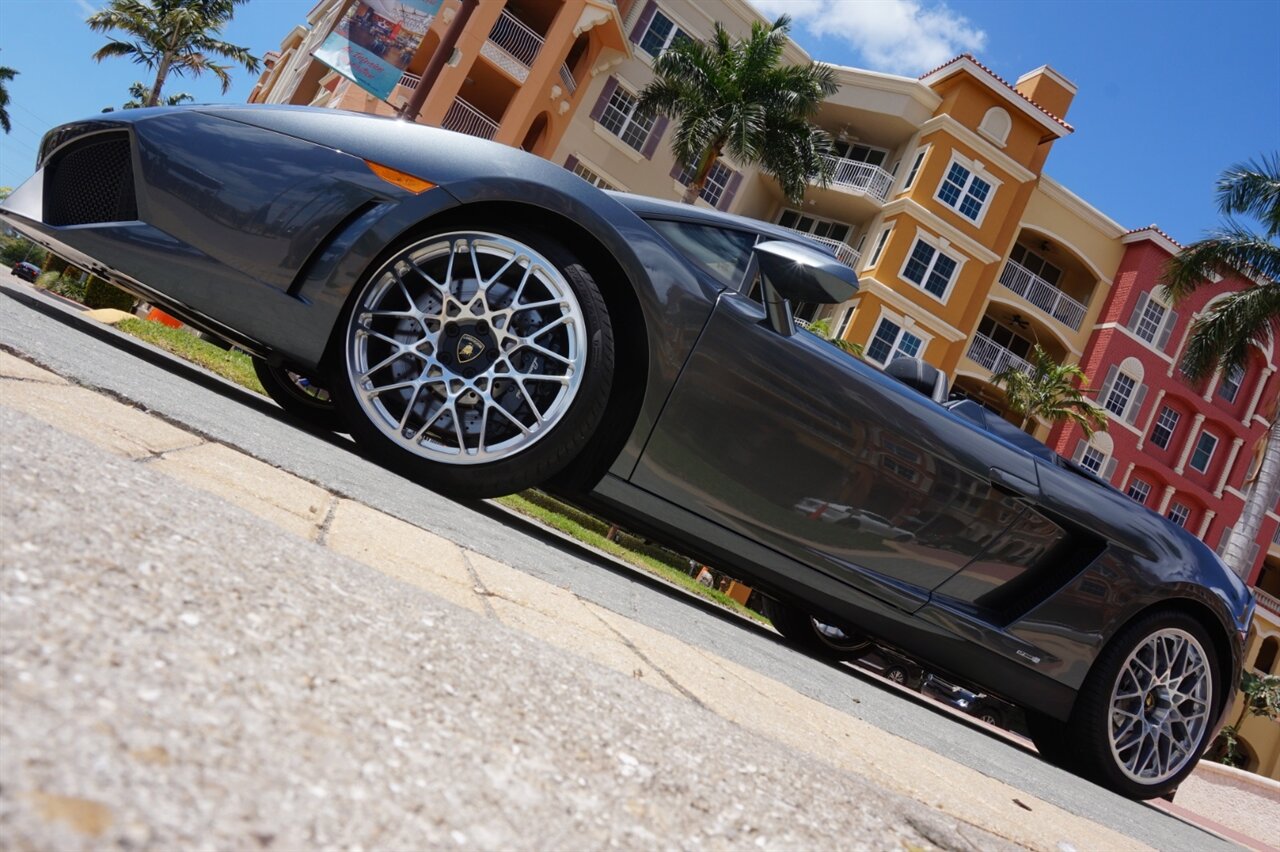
{"x":26,"y":271}
{"x":988,"y":708}
{"x":891,"y":666}
{"x":485,"y":321}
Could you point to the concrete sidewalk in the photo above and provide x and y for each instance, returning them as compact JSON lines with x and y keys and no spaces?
{"x":288,"y":691}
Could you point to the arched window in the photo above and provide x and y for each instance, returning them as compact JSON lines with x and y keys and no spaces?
{"x":1265,"y":662}
{"x":996,"y":125}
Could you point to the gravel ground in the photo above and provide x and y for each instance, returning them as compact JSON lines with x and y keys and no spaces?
{"x":215,"y":683}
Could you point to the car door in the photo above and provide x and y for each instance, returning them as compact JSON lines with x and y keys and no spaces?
{"x":802,"y":447}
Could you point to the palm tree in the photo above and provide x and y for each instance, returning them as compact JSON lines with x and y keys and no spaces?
{"x":1220,"y":339}
{"x":173,"y":37}
{"x":6,"y":74}
{"x":1051,"y":391}
{"x":139,"y":92}
{"x":822,"y":328}
{"x":734,"y":96}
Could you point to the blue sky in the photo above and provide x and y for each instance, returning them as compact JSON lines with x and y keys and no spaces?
{"x":1170,"y":93}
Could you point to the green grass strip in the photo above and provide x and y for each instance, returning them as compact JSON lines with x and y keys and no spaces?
{"x":232,"y":365}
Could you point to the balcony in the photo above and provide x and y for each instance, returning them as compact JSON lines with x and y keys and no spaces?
{"x":566,"y":79}
{"x":410,"y":81}
{"x":860,"y":178}
{"x":1266,"y":601}
{"x":462,"y":117}
{"x":1043,"y":295}
{"x":513,"y":46}
{"x":985,"y":351}
{"x":845,"y":253}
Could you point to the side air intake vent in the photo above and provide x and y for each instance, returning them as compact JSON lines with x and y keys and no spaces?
{"x":91,"y":180}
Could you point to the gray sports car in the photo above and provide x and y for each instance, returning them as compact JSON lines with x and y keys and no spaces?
{"x":483,"y":320}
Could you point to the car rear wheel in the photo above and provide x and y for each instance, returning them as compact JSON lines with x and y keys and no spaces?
{"x":302,"y":397}
{"x":813,"y":636}
{"x":897,"y":674}
{"x":1146,"y":710}
{"x":478,"y":361}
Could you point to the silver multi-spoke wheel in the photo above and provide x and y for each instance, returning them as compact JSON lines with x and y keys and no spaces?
{"x":466,"y":348}
{"x":1160,"y":706}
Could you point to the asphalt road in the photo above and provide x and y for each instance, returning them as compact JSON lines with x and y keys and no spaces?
{"x":99,"y":357}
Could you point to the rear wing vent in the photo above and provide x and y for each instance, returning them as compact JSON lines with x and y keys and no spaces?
{"x":91,"y":180}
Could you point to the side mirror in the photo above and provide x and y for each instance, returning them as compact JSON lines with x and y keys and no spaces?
{"x":790,"y":271}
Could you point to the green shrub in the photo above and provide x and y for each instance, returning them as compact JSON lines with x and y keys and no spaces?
{"x":68,"y":286}
{"x":18,"y":249}
{"x":100,"y":294}
{"x":56,"y":264}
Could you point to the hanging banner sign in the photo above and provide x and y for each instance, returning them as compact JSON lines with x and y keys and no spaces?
{"x":375,"y":41}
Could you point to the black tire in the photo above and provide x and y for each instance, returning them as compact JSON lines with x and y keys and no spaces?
{"x":1101,"y":753}
{"x":805,"y":633}
{"x":302,"y":398}
{"x":1051,"y":739}
{"x":898,"y":675}
{"x":989,"y":713}
{"x":533,"y":452}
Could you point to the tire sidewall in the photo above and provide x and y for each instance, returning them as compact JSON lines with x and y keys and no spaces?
{"x":295,"y":402}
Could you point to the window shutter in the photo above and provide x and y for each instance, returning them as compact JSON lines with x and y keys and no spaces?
{"x":651,"y":144}
{"x":642,"y":22}
{"x":726,"y":198}
{"x":1135,"y":404}
{"x":571,"y":162}
{"x":610,"y":86}
{"x":1170,"y":320}
{"x":1081,"y":446}
{"x":1109,"y":469}
{"x":1106,"y":386}
{"x":1138,"y":308}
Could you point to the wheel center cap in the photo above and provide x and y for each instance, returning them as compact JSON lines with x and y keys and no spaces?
{"x":468,"y":348}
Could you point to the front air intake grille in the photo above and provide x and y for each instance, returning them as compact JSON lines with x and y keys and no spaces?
{"x":91,"y":180}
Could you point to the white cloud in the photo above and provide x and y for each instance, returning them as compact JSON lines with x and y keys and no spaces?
{"x":86,"y":8}
{"x":897,"y":36}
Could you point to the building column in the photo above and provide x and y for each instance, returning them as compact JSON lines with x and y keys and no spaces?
{"x":1151,"y":418}
{"x":1231,"y":460}
{"x":1191,"y":442}
{"x":1165,"y":498}
{"x":1182,"y":345}
{"x":1128,"y":471}
{"x":1204,"y":525}
{"x":1212,"y":386}
{"x":1267,"y":373}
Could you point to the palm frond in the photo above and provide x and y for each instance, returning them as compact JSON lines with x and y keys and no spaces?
{"x":1253,"y":189}
{"x":1221,"y":339}
{"x":1230,"y":247}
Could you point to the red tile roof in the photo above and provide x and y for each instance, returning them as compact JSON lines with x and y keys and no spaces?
{"x":1002,"y":81}
{"x":1155,"y":228}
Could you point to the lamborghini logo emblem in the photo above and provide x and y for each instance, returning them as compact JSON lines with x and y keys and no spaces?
{"x":469,"y":349}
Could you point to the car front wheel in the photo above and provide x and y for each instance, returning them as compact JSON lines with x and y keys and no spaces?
{"x":477,"y":361}
{"x":301,"y":396}
{"x":1146,"y":710}
{"x":813,"y":636}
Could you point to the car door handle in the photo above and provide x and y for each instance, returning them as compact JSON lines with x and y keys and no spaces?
{"x":1014,"y":485}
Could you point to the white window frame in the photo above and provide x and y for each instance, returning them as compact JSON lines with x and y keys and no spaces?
{"x":629,"y":119}
{"x":975,"y":169}
{"x":905,"y":326}
{"x":843,"y":326}
{"x":940,"y":245}
{"x":676,"y":28}
{"x":816,"y":220}
{"x":878,"y":251}
{"x":1213,"y":448}
{"x":1156,"y":325}
{"x":917,"y":166}
{"x":1093,"y":452}
{"x":712,"y":190}
{"x":1233,"y":378}
{"x":1171,"y":427}
{"x":1128,"y":396}
{"x":599,"y":174}
{"x":1144,"y":490}
{"x":1179,"y":513}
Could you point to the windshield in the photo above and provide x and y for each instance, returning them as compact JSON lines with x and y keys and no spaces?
{"x":724,"y":253}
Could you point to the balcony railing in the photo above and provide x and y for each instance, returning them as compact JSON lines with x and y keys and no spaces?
{"x":1267,"y":601}
{"x":566,"y":77}
{"x":995,"y":357}
{"x":410,"y":81}
{"x":462,"y":117}
{"x":1042,"y":294}
{"x":853,"y":176}
{"x":514,"y":38}
{"x":845,"y":253}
